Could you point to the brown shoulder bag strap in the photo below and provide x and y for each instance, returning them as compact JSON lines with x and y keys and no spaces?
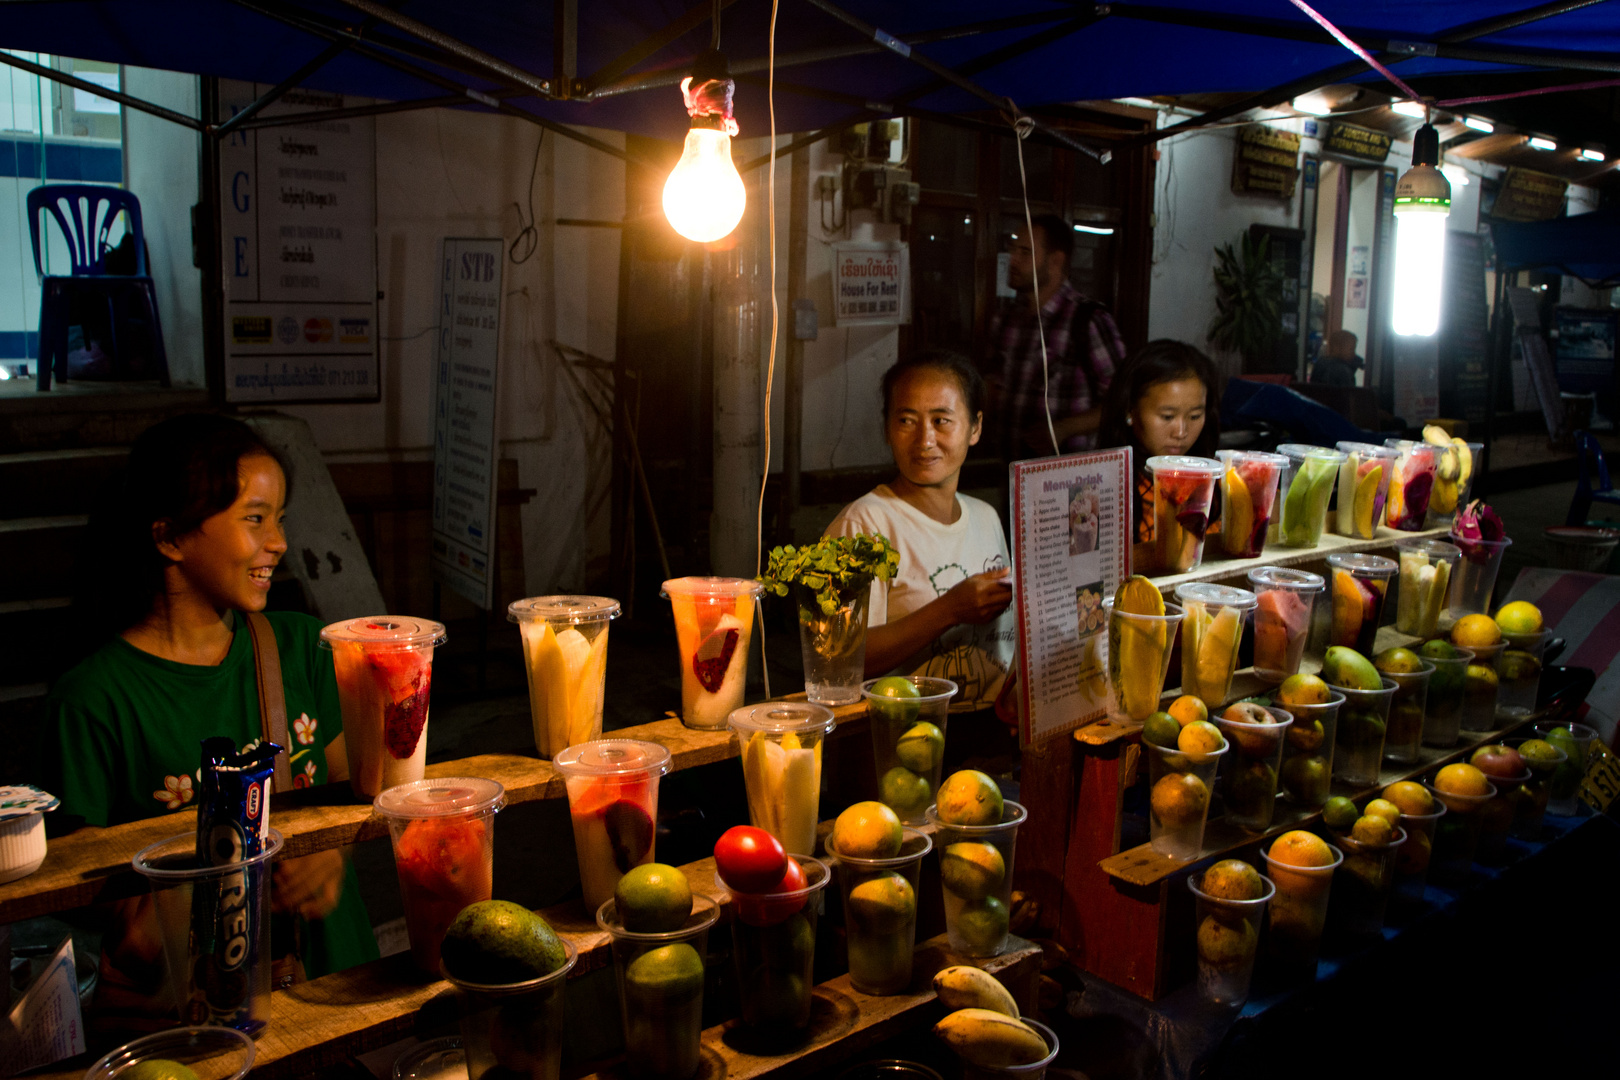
{"x":272,"y":698}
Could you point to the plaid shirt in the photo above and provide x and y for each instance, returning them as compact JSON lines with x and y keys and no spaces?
{"x":1079,"y":379}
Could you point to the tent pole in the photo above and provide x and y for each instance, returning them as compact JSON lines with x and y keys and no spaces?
{"x":94,"y":88}
{"x":565,"y":47}
{"x":208,"y":253}
{"x":382,"y":108}
{"x":453,"y":46}
{"x":269,"y":97}
{"x":695,"y":17}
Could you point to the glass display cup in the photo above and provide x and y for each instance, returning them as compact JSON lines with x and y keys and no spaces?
{"x":976,"y":873}
{"x":1364,"y":477}
{"x":212,"y":1053}
{"x":1480,"y":687}
{"x":1456,"y":835}
{"x":1455,"y":469}
{"x":908,"y":742}
{"x":443,"y":1058}
{"x":1179,"y":791}
{"x":1183,"y":488}
{"x":660,"y":978}
{"x":1307,"y":761}
{"x":1474,"y":579}
{"x":1413,"y":857}
{"x":1362,"y":884}
{"x":1360,"y":587}
{"x":1035,"y":1070}
{"x":1307,"y":488}
{"x":384,"y":670}
{"x":1496,"y":817}
{"x":773,"y":942}
{"x":1249,"y":776}
{"x":1282,"y":619}
{"x":1535,"y":795}
{"x":1139,"y":648}
{"x":1427,"y":567}
{"x":780,"y":744}
{"x":1228,"y":938}
{"x":515,"y":1030}
{"x":1575,"y":740}
{"x":1410,"y":485}
{"x":1442,"y":710}
{"x":714,"y":621}
{"x":833,"y":644}
{"x":1363,"y":721}
{"x":212,"y":979}
{"x":613,"y":803}
{"x":1404,"y":732}
{"x":443,"y":835}
{"x":1298,"y":912}
{"x":1211,"y":632}
{"x":1248,"y":500}
{"x":1518,"y":674}
{"x":880,"y":914}
{"x":565,"y":641}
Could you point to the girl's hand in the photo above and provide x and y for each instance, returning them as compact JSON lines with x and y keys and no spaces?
{"x":980,"y":598}
{"x":310,"y":886}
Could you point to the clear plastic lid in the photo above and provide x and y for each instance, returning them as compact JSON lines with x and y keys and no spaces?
{"x":1364,"y":565}
{"x":1194,"y":466}
{"x":386,"y":633}
{"x":453,"y":796}
{"x":563,"y":610}
{"x":437,"y":1059}
{"x":629,"y":758}
{"x":22,"y":800}
{"x":1368,"y":450}
{"x":1433,"y":549}
{"x":1212,"y":595}
{"x":1298,"y":452}
{"x":711,"y":586}
{"x":1233,"y":457}
{"x":1281,"y":577}
{"x":1416,"y":449}
{"x":782,"y":717}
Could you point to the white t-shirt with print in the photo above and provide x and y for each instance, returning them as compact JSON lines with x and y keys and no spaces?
{"x":933,"y":558}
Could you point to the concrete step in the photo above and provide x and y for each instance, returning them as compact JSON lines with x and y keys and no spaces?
{"x":37,"y":555}
{"x":45,"y":483}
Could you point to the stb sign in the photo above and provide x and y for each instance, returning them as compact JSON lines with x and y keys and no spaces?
{"x":871,"y":283}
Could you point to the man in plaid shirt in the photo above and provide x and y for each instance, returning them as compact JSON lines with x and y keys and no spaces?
{"x":1083,"y":349}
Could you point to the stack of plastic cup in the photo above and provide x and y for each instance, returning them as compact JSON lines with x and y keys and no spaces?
{"x":1282,"y":619}
{"x":1410,"y":486}
{"x":1248,"y":500}
{"x":1360,"y":587}
{"x":714,"y":621}
{"x":1536,"y":792}
{"x":1404,"y":733}
{"x":1362,"y":884}
{"x":565,"y":641}
{"x":908,"y":740}
{"x":1211,"y":631}
{"x":1249,"y":778}
{"x":613,"y":802}
{"x":1139,"y":648}
{"x":516,"y":1029}
{"x":880,"y":914}
{"x":781,"y":761}
{"x":773,"y":941}
{"x":1362,"y":723}
{"x":1228,"y":939}
{"x":1307,"y":488}
{"x":1575,"y":740}
{"x":1518,"y":674}
{"x":1363,"y":487}
{"x":1480,"y":687}
{"x":384,"y":669}
{"x":1413,"y":857}
{"x":1183,"y":489}
{"x":444,"y":853}
{"x":1475,"y":578}
{"x":976,"y":872}
{"x":1427,"y":567}
{"x":660,"y":977}
{"x":1451,"y":488}
{"x":1443,"y":708}
{"x":1307,"y":762}
{"x":1456,"y":835}
{"x":1178,"y":799}
{"x":1298,"y":913}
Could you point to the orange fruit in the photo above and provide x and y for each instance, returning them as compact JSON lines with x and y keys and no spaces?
{"x":1476,"y":632}
{"x":1301,"y":848}
{"x":1199,"y":739}
{"x":1412,"y":798}
{"x":1385,"y":809}
{"x":1372,"y":829}
{"x":1519,"y":617}
{"x":1233,"y":879}
{"x":1461,"y":779}
{"x":1179,"y":800}
{"x":1188,"y":708}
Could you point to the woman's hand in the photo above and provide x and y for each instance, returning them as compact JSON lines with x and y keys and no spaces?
{"x":309,"y":886}
{"x":980,"y":598}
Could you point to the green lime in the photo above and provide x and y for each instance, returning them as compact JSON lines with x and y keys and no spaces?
{"x":883,"y":904}
{"x":902,"y":710}
{"x":921,"y":748}
{"x":1161,"y":729}
{"x":653,"y":899}
{"x":970,"y":797}
{"x":664,"y":977}
{"x":1339,"y":813}
{"x":904,"y":791}
{"x":972,"y":870}
{"x":982,"y":926}
{"x":157,"y":1069}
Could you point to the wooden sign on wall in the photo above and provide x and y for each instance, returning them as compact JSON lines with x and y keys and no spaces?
{"x":1357,"y":142}
{"x":1527,"y":195}
{"x":1266,"y":162}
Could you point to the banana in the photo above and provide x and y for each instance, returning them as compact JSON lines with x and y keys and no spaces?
{"x":964,"y":987}
{"x":991,"y":1040}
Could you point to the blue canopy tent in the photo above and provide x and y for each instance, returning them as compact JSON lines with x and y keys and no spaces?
{"x":1586,"y":246}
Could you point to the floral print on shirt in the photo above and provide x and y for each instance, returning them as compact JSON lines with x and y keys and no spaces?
{"x":304,"y":728}
{"x":177,"y":791}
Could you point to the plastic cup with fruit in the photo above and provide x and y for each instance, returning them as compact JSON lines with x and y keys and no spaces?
{"x":384,"y":670}
{"x":1181,"y":780}
{"x":1307,"y":488}
{"x":1360,"y":587}
{"x":1364,"y":478}
{"x":1425,"y":581}
{"x":714,"y":621}
{"x":906,"y":715}
{"x":1410,"y":485}
{"x":1479,"y":533}
{"x":1306,"y":773}
{"x":565,"y":641}
{"x":1575,"y":740}
{"x":1230,"y":901}
{"x":1442,"y":708}
{"x":1211,"y":631}
{"x":443,"y":833}
{"x":1141,"y":633}
{"x":1183,"y":492}
{"x":976,"y":834}
{"x":1518,"y":674}
{"x":1544,"y":760}
{"x":1258,"y":736}
{"x":1464,"y":790}
{"x":1412,"y":674}
{"x":1454,"y":461}
{"x":1248,"y":500}
{"x":1363,"y":720}
{"x":1510,"y":774}
{"x":1282,"y":619}
{"x":1361,"y":885}
{"x":773,"y":940}
{"x":613,"y":804}
{"x":1301,"y":865}
{"x":781,"y":744}
{"x":880,"y":907}
{"x":185,"y":1053}
{"x":1420,"y":811}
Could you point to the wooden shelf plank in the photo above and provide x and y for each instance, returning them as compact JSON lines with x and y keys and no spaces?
{"x":1236,"y":570}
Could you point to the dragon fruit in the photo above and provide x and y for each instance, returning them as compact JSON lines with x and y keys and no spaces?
{"x":1475,"y":522}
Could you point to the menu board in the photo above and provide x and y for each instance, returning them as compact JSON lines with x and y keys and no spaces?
{"x":1071,"y":548}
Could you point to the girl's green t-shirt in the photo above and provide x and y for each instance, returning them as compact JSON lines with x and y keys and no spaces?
{"x":128,"y":729}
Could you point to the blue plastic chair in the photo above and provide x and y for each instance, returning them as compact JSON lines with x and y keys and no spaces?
{"x":85,"y":213}
{"x":1589,"y":456}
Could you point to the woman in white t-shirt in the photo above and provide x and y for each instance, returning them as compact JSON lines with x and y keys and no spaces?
{"x":946,"y":611}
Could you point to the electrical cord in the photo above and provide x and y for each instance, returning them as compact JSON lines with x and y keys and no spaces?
{"x":528,"y":237}
{"x":770,"y":365}
{"x":1022,"y":126}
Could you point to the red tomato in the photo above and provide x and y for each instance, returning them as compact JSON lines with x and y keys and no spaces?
{"x":767,"y":910}
{"x":750,"y":860}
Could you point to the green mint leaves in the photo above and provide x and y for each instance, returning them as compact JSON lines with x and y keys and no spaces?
{"x":832,"y":567}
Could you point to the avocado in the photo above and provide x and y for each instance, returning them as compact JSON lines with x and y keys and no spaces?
{"x":497,"y":942}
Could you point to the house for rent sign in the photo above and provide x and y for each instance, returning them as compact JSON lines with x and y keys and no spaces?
{"x":871,"y":283}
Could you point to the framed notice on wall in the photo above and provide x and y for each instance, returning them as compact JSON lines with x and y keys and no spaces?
{"x":298,"y":253}
{"x":871,"y":283}
{"x":1071,"y":520}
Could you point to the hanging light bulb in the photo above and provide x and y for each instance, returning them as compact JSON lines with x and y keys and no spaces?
{"x":1422,"y":204}
{"x":704,"y":196}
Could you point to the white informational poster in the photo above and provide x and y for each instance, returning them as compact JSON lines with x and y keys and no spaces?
{"x":45,"y":1023}
{"x":1071,"y":518}
{"x":464,"y":448}
{"x":871,"y":283}
{"x":299,"y":253}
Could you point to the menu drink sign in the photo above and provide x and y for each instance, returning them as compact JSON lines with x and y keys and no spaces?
{"x":1071,"y":549}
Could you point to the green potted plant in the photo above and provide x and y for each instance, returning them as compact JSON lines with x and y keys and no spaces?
{"x":831,"y":584}
{"x":1248,"y":301}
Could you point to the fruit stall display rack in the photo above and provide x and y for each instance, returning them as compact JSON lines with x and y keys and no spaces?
{"x":1235,"y":571}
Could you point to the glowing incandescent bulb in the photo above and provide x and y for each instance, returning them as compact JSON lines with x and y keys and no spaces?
{"x":1422,"y":204}
{"x":704,"y":196}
